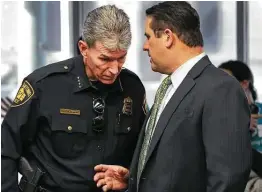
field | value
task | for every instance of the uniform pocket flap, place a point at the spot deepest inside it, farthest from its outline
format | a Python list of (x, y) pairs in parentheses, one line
[(70, 126)]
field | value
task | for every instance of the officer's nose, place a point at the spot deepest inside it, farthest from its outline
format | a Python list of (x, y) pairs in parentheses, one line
[(114, 68)]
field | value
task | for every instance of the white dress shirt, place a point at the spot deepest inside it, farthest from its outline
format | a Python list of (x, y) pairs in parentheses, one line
[(176, 78)]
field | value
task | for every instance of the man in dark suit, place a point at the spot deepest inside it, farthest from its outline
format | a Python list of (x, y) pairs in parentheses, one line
[(196, 137)]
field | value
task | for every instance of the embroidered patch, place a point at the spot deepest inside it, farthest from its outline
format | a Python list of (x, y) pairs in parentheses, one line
[(24, 93)]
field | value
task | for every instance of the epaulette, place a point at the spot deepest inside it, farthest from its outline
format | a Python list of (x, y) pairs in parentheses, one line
[(43, 72)]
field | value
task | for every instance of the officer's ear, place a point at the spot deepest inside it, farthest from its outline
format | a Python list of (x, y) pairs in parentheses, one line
[(83, 48)]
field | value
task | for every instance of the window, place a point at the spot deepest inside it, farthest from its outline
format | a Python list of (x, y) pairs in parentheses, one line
[(9, 48), (31, 37), (255, 42), (218, 26)]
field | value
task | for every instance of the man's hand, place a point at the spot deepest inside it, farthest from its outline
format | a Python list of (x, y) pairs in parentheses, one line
[(111, 177)]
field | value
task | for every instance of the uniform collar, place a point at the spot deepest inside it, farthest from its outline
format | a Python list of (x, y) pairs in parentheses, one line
[(82, 81)]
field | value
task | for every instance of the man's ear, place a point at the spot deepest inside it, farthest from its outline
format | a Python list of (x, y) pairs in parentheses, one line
[(169, 38), (83, 48)]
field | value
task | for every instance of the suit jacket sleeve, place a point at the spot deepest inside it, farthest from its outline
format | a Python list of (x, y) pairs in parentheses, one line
[(226, 138), (15, 132)]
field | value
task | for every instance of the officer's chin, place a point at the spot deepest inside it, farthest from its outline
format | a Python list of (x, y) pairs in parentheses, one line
[(107, 81)]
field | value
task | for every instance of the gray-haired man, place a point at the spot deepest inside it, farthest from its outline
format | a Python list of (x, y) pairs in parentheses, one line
[(69, 116)]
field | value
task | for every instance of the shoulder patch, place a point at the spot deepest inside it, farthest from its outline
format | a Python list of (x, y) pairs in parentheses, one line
[(24, 93)]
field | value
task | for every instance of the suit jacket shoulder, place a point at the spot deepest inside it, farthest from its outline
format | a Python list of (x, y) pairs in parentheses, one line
[(212, 76)]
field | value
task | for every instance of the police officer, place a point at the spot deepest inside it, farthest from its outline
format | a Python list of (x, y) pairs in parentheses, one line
[(69, 116)]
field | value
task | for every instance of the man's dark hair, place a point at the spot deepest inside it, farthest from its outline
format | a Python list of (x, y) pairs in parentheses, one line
[(180, 17), (241, 72)]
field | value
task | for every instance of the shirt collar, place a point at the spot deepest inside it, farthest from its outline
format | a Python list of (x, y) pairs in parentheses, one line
[(180, 73)]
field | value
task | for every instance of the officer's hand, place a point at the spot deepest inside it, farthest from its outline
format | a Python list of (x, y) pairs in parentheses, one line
[(111, 177)]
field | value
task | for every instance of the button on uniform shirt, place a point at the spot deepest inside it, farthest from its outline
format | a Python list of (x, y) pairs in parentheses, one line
[(177, 77), (50, 123)]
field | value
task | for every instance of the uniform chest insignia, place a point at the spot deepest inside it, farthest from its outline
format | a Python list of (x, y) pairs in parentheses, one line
[(24, 93), (127, 107), (69, 111)]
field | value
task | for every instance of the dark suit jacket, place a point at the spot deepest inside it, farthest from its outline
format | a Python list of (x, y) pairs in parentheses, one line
[(201, 141)]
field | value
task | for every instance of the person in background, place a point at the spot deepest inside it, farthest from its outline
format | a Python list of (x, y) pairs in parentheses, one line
[(71, 115), (244, 75)]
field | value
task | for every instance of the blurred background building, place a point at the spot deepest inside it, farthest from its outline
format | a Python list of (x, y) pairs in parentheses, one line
[(37, 33)]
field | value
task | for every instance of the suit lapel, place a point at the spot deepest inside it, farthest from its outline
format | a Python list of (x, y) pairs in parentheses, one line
[(187, 84)]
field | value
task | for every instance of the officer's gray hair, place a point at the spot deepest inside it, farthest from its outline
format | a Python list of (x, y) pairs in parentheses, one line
[(108, 25)]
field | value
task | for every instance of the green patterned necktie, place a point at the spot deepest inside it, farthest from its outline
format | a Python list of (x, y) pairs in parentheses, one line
[(160, 94)]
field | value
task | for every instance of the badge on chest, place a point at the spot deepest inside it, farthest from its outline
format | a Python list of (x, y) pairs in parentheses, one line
[(127, 106)]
